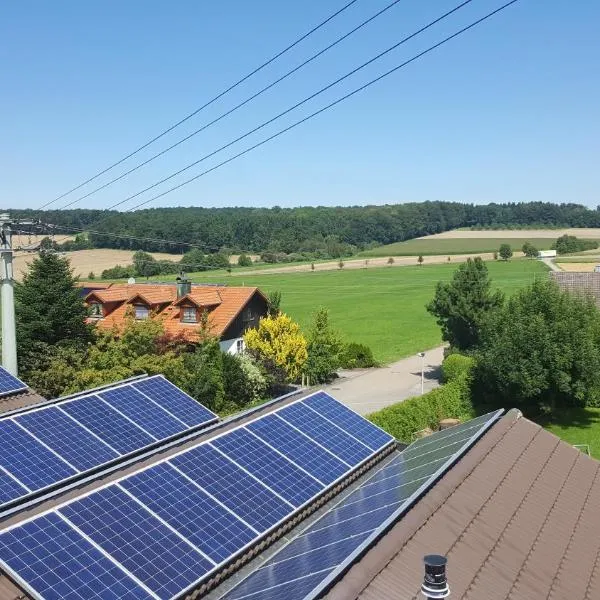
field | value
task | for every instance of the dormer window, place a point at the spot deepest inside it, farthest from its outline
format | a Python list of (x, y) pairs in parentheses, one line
[(95, 310), (189, 314), (141, 312)]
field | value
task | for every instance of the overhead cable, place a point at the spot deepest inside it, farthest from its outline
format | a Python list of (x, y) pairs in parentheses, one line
[(205, 105)]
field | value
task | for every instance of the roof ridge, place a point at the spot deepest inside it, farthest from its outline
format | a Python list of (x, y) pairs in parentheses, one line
[(517, 415), (542, 528), (573, 533), (517, 509)]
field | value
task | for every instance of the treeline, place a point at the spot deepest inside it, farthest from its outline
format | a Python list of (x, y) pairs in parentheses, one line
[(320, 230)]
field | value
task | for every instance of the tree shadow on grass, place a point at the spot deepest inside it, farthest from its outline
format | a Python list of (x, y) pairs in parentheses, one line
[(572, 417)]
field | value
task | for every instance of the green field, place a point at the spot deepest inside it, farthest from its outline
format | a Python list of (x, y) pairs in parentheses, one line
[(381, 307), (434, 246), (579, 426)]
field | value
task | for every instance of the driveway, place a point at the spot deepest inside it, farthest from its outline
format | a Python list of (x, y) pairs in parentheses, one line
[(368, 390)]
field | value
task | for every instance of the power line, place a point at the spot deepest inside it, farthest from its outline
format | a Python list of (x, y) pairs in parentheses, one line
[(235, 108), (295, 106), (206, 104), (331, 105)]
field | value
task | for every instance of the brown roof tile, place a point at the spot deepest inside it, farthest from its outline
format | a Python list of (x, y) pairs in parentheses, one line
[(514, 517), (19, 400), (582, 283), (225, 303)]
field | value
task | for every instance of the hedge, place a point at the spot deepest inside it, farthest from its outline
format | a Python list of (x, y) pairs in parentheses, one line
[(456, 367), (401, 420)]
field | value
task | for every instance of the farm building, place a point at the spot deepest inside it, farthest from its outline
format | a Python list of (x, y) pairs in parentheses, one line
[(546, 253), (293, 500), (181, 307), (579, 283)]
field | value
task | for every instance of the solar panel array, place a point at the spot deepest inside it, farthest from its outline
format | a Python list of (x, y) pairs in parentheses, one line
[(159, 532), (45, 446), (302, 568), (9, 384)]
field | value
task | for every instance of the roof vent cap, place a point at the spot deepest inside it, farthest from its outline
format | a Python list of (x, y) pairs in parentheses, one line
[(435, 584)]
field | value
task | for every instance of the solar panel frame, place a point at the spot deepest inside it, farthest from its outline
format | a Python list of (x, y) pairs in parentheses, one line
[(9, 384), (260, 534), (394, 510), (121, 455)]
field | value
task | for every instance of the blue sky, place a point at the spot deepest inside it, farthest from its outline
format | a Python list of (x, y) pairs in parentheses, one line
[(507, 112)]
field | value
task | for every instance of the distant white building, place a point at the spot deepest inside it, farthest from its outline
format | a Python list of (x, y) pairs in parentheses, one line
[(547, 254)]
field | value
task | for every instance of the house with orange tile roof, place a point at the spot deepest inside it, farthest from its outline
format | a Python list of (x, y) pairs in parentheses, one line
[(182, 308)]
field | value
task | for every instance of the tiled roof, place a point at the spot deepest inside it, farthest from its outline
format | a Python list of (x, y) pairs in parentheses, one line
[(224, 304), (19, 400), (517, 518), (579, 283)]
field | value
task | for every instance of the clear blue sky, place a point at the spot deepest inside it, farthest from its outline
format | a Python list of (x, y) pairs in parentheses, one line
[(507, 112)]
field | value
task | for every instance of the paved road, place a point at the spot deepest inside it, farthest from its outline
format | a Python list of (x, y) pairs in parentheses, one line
[(551, 264), (368, 390)]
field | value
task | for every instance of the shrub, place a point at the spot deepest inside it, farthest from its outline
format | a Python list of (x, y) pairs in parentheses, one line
[(244, 261), (357, 356), (456, 367), (402, 420)]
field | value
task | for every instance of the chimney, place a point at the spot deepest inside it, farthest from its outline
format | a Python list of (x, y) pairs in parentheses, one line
[(184, 285), (435, 584)]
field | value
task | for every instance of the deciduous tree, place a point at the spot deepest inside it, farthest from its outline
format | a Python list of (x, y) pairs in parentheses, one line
[(324, 347), (541, 351)]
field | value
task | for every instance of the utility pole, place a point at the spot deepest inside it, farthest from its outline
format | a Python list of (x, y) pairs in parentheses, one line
[(9, 332)]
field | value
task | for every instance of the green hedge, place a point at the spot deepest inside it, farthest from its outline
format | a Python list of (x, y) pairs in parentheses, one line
[(456, 367), (448, 401)]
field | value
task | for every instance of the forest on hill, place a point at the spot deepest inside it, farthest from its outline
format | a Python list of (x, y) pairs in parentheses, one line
[(330, 231)]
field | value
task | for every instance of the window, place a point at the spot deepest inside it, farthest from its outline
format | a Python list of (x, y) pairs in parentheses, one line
[(189, 314), (95, 310), (141, 311), (239, 346)]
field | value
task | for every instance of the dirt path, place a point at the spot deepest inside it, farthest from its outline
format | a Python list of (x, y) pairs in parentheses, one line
[(362, 263), (366, 391)]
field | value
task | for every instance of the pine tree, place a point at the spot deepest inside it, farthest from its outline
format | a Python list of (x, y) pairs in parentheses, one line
[(49, 310)]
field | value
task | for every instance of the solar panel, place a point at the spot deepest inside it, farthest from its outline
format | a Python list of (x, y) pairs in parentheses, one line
[(10, 488), (175, 523), (272, 468), (306, 565), (9, 384), (91, 430), (172, 399), (56, 562), (146, 547), (143, 411), (260, 507), (344, 446), (67, 438), (348, 420), (108, 424), (34, 465), (218, 532), (306, 453)]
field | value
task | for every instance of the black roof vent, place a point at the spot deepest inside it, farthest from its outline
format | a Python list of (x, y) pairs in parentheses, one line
[(435, 584)]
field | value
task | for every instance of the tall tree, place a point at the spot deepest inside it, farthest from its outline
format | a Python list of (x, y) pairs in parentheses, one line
[(461, 306), (541, 351), (49, 310)]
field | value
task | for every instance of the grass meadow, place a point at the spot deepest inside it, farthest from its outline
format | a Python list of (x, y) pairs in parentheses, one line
[(381, 307), (431, 246), (579, 426)]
